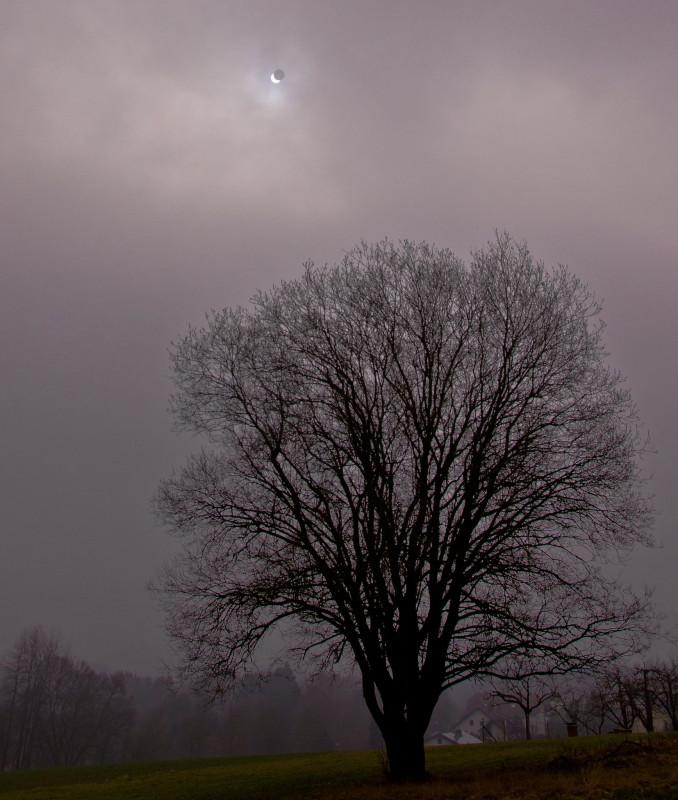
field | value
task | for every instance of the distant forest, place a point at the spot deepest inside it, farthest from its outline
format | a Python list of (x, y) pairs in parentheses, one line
[(58, 711)]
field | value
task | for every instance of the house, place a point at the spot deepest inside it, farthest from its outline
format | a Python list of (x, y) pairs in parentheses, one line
[(492, 723), (452, 737), (483, 724), (439, 738), (660, 722)]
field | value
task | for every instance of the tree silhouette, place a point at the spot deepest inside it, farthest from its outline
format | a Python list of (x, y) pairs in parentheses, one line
[(412, 462)]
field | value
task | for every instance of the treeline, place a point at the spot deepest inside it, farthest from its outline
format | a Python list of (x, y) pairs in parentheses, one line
[(55, 711), (274, 716), (58, 711), (630, 697)]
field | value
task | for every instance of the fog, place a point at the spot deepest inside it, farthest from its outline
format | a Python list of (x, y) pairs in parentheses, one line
[(151, 171)]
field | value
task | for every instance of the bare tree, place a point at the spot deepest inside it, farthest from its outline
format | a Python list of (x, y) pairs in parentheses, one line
[(642, 687), (24, 691), (85, 717), (610, 699), (113, 719), (572, 703), (57, 712), (417, 463), (527, 683), (666, 689)]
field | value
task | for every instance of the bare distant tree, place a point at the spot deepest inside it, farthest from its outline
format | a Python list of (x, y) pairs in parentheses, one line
[(617, 696), (610, 698), (24, 676), (640, 686), (86, 715), (666, 689), (57, 712), (527, 683), (418, 463), (572, 703), (113, 720)]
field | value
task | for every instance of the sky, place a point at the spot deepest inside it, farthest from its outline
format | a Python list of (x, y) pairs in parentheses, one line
[(150, 171)]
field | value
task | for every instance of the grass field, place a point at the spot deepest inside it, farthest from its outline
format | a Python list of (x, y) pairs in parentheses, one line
[(614, 768)]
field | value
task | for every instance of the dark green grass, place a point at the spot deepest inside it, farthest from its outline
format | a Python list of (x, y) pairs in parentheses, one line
[(328, 776), (257, 777)]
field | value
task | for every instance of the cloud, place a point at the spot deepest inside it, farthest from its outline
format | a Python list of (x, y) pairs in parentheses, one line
[(150, 171)]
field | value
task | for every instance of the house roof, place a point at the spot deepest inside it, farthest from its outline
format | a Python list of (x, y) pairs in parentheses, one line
[(452, 737)]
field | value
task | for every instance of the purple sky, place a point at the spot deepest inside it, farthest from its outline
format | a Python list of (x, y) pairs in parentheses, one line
[(150, 171)]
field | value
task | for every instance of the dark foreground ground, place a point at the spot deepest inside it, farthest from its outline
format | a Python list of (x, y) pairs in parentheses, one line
[(614, 768)]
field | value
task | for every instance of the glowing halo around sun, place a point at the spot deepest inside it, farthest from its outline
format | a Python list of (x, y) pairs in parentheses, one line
[(277, 76)]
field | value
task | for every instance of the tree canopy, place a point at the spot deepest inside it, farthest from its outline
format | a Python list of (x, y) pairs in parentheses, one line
[(420, 464)]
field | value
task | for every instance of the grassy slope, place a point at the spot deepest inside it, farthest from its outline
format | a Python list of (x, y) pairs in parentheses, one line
[(593, 767)]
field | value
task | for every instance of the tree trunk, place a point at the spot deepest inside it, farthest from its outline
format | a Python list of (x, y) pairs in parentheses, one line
[(405, 752)]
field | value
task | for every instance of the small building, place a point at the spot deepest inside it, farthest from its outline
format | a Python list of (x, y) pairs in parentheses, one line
[(660, 722), (457, 736), (496, 723)]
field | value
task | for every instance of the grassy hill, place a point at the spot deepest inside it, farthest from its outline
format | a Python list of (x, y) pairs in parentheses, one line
[(619, 768)]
